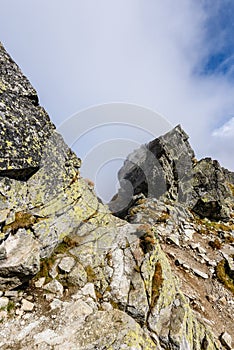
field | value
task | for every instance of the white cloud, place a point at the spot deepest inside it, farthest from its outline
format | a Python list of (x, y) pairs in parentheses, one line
[(226, 130)]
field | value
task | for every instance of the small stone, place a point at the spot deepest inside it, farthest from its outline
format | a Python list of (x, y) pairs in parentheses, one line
[(200, 273), (3, 314), (54, 287), (177, 302), (1, 293), (194, 245), (53, 273), (212, 271), (3, 302), (211, 298), (205, 258), (226, 340), (178, 262), (11, 294), (201, 250), (174, 239), (186, 267), (3, 214), (40, 282), (78, 276), (230, 262), (56, 304), (223, 300), (19, 312), (87, 290), (48, 296), (26, 316), (3, 253), (66, 264), (29, 297), (27, 305), (107, 306), (189, 233)]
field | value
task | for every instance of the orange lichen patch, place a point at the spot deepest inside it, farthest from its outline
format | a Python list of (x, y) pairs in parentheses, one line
[(89, 182), (231, 188), (164, 217), (22, 220), (216, 244), (157, 281), (147, 240)]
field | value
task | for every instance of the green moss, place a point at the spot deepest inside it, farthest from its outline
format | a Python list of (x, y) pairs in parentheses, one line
[(224, 274), (45, 267), (91, 276), (10, 306)]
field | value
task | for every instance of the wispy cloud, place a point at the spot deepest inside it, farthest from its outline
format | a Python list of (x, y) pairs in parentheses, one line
[(226, 130)]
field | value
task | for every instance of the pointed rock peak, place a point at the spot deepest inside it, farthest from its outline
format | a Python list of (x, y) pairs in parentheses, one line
[(166, 169)]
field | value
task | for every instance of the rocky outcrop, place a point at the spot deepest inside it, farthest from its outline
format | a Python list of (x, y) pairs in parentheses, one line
[(90, 280), (25, 126), (166, 169)]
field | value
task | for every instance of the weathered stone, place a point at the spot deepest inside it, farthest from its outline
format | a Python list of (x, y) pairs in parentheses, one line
[(3, 253), (27, 305), (11, 294), (40, 282), (3, 302), (189, 233), (56, 303), (200, 273), (78, 276), (226, 340), (53, 272), (211, 190), (174, 239), (22, 262), (66, 264), (54, 287)]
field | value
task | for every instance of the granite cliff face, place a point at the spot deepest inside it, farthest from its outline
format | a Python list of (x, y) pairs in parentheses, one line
[(74, 276)]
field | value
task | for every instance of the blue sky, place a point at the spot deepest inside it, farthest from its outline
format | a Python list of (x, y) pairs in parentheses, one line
[(172, 56)]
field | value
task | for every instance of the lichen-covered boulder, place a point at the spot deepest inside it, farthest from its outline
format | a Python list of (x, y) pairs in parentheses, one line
[(24, 126)]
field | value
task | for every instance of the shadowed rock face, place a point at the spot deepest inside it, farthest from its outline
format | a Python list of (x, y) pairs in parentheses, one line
[(90, 280), (166, 169), (24, 126)]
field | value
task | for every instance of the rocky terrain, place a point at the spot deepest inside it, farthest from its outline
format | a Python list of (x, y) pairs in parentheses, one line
[(154, 270)]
